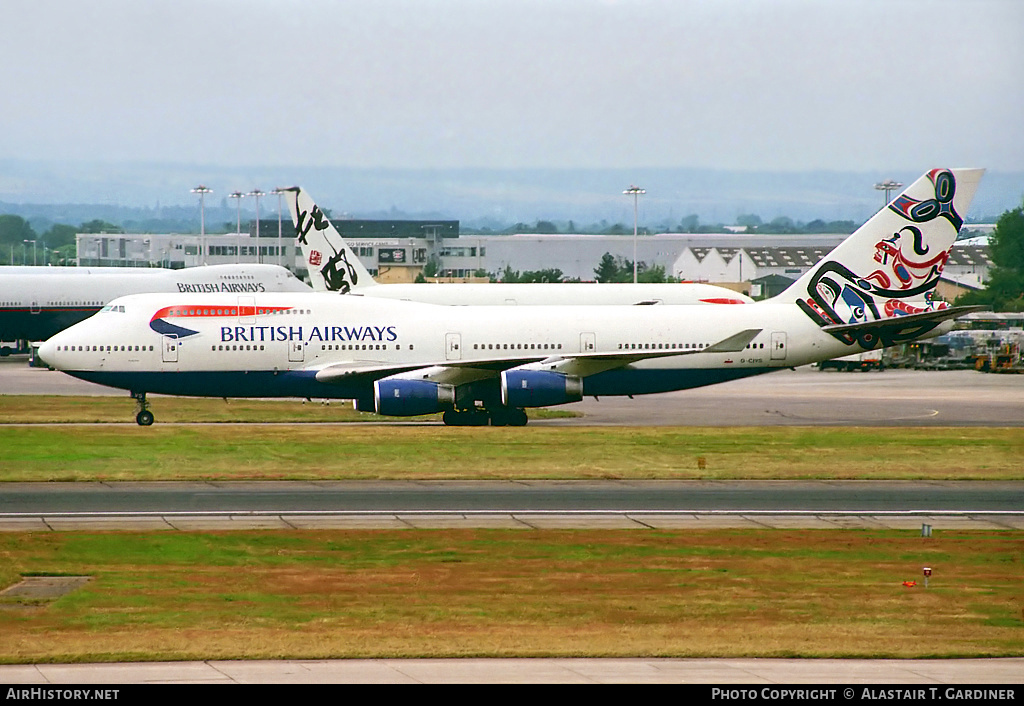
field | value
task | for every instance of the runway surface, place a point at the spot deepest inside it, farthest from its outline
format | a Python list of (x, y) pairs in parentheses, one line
[(538, 671), (513, 504)]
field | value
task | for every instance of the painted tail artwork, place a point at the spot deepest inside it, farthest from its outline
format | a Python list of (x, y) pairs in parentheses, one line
[(333, 266), (887, 270)]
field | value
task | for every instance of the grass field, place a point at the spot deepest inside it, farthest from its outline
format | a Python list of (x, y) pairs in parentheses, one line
[(456, 593), (445, 593), (272, 449), (305, 451)]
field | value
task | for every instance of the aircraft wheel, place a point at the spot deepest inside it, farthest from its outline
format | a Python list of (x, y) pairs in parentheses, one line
[(518, 418), (144, 418)]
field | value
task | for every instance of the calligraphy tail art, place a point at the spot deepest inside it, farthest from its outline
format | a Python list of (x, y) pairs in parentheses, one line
[(333, 267), (876, 288)]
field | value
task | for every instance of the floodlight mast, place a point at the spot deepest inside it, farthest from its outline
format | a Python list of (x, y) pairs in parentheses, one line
[(888, 186), (238, 196), (202, 191), (635, 191), (257, 193), (280, 192)]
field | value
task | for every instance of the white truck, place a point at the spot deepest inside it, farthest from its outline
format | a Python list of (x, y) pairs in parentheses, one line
[(868, 360)]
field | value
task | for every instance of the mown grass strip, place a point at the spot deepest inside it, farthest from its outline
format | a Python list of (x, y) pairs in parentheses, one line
[(60, 409), (297, 452), (510, 593)]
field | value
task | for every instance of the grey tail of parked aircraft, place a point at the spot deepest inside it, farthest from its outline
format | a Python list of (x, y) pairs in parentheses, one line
[(333, 266)]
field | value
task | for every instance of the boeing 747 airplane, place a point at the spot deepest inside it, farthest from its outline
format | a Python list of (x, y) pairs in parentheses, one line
[(37, 302), (334, 267), (487, 364)]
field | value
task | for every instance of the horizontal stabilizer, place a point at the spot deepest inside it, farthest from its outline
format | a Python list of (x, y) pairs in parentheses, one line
[(909, 321), (896, 329)]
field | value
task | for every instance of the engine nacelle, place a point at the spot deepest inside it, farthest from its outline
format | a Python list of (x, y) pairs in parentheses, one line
[(364, 404), (396, 397), (539, 388)]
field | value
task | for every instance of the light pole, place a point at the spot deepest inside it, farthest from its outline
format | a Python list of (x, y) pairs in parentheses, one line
[(25, 250), (635, 191), (257, 193), (887, 186), (238, 196), (280, 192), (202, 191)]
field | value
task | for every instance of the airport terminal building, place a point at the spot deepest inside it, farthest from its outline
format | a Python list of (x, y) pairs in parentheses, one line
[(398, 251)]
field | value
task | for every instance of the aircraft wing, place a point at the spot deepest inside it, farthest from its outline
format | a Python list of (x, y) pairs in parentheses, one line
[(452, 372), (458, 372)]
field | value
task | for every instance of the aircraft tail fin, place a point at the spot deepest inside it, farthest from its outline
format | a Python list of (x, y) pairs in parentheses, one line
[(333, 265), (889, 267)]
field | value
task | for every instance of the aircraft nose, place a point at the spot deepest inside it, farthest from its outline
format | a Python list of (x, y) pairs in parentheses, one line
[(47, 351)]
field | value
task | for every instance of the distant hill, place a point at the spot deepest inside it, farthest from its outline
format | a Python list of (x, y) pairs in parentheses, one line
[(156, 197)]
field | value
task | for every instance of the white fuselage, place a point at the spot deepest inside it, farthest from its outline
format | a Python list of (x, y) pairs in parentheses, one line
[(548, 294), (37, 302), (276, 344)]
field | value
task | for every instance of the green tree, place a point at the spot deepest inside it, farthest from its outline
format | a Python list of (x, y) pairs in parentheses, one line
[(98, 226), (549, 275), (59, 235), (619, 269), (14, 230), (64, 256), (607, 270), (430, 268), (1005, 288), (655, 274), (690, 224), (510, 276), (1007, 244)]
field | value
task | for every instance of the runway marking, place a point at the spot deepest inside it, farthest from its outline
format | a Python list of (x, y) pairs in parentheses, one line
[(928, 414), (497, 511)]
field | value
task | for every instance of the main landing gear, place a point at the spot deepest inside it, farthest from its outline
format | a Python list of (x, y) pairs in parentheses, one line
[(477, 417), (143, 416)]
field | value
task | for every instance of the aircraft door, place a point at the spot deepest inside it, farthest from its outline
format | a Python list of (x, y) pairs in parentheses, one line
[(453, 346), (170, 349), (296, 352), (778, 345), (247, 310), (588, 342), (35, 308)]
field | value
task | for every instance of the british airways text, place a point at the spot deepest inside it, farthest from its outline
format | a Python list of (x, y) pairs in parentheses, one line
[(232, 287), (324, 334)]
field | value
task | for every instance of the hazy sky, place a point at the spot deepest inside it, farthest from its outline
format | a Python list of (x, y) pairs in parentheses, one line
[(731, 84)]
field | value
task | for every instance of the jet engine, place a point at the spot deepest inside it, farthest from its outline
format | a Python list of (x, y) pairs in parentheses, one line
[(539, 388), (406, 398)]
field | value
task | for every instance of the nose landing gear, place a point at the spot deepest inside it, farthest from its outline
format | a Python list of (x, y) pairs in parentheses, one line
[(143, 416)]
